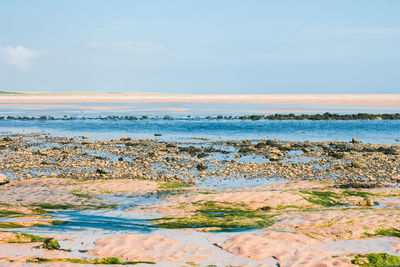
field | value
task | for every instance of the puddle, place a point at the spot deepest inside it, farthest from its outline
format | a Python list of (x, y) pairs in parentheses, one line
[(104, 222)]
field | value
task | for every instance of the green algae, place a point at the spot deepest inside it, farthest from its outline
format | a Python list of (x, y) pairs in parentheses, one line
[(376, 260), (224, 216), (25, 238), (330, 199), (57, 222), (391, 232), (322, 198), (10, 225), (14, 213), (109, 260), (172, 185), (51, 244)]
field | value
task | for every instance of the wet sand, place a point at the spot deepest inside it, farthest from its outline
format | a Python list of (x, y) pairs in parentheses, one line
[(305, 233), (292, 222)]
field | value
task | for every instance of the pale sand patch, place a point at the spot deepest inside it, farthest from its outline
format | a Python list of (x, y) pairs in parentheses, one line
[(313, 99), (339, 224), (152, 248), (20, 252), (290, 249), (60, 191), (396, 245)]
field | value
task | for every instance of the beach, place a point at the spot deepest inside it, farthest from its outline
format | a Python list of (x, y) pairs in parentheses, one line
[(196, 202), (312, 99)]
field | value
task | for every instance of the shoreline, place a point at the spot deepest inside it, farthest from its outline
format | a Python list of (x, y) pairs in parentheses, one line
[(314, 99)]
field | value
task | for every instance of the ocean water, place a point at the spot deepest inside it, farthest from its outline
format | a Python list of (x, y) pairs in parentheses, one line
[(184, 127), (368, 131)]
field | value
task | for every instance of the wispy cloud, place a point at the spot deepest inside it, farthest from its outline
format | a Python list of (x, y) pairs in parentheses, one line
[(18, 56), (360, 32), (138, 47)]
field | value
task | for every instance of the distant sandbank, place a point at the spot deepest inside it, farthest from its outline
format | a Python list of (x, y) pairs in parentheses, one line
[(313, 99)]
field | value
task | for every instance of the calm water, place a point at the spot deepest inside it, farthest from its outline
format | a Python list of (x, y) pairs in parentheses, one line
[(184, 127), (376, 131)]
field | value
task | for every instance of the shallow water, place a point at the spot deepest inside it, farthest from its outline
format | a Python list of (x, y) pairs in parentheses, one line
[(368, 131), (102, 222)]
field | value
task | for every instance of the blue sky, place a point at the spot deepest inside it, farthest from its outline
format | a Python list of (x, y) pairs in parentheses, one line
[(204, 46)]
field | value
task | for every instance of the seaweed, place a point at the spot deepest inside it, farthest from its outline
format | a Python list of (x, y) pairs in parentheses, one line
[(391, 232), (172, 185), (51, 244), (220, 216), (322, 198), (376, 259)]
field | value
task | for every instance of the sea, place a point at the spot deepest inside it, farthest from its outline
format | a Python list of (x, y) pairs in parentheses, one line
[(189, 122)]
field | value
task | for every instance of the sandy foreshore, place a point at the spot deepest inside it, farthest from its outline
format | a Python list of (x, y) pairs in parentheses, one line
[(161, 203), (304, 232), (311, 99)]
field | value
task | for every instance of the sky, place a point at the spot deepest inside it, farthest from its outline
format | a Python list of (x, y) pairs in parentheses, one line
[(207, 46)]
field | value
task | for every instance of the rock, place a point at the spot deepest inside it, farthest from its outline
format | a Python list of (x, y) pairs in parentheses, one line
[(85, 137), (358, 165), (125, 139), (273, 157), (275, 151), (355, 141), (201, 167), (3, 179), (101, 171)]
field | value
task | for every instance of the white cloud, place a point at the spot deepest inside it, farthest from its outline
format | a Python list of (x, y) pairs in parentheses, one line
[(19, 56), (138, 47)]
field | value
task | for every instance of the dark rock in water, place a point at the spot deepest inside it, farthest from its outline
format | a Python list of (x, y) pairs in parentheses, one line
[(170, 145), (246, 150), (157, 134), (202, 155), (336, 155), (190, 149), (201, 167), (355, 141), (260, 145), (101, 171)]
